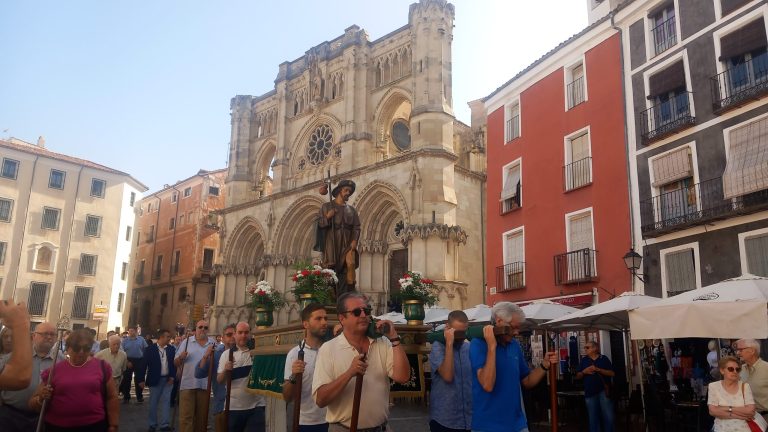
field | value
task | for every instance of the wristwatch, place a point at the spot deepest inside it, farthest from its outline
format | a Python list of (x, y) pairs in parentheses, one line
[(541, 365), (292, 379), (730, 411)]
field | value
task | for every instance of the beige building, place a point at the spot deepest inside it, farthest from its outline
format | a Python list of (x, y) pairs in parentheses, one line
[(65, 235), (381, 114)]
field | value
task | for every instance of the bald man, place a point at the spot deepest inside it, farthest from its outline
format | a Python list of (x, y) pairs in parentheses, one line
[(246, 409), (13, 407), (116, 358), (193, 392)]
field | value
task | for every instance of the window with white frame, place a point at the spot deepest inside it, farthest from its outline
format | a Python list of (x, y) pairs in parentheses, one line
[(38, 298), (50, 218), (745, 62), (511, 188), (6, 207), (512, 128), (756, 254), (578, 168), (10, 169), (92, 226), (679, 271), (579, 263), (56, 179), (514, 261), (673, 177), (124, 271), (3, 249), (187, 192), (576, 88), (88, 264), (81, 302), (745, 172), (132, 200), (663, 27), (98, 188)]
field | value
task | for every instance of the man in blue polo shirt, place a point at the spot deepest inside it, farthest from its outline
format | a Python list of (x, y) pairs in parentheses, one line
[(134, 347), (500, 369), (450, 400)]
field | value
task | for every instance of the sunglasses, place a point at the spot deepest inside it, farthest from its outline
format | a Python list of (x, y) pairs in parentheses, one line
[(202, 327), (359, 311), (733, 369), (80, 348)]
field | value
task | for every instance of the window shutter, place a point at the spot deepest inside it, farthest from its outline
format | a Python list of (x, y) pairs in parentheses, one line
[(746, 39), (672, 167), (757, 255), (666, 80), (515, 248), (746, 170), (510, 183), (681, 271), (580, 148), (580, 232)]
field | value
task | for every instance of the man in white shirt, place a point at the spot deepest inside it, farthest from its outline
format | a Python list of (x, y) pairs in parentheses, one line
[(246, 410), (315, 322), (115, 357), (193, 392)]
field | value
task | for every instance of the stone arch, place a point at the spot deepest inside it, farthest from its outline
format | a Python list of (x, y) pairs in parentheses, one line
[(380, 205), (246, 246), (261, 166), (394, 105), (299, 144), (295, 234)]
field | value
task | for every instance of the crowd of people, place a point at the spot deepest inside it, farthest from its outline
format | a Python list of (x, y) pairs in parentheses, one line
[(476, 385)]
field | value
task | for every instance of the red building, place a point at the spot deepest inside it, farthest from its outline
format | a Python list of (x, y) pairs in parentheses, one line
[(558, 219)]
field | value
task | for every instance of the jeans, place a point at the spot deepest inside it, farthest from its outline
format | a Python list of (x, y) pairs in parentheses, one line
[(251, 420), (600, 410), (159, 400)]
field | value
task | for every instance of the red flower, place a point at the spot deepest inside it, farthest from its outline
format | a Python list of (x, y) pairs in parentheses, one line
[(427, 281), (262, 293), (406, 276), (295, 278), (305, 272), (316, 272)]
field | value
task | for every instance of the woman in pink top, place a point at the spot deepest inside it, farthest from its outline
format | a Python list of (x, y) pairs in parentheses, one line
[(82, 396)]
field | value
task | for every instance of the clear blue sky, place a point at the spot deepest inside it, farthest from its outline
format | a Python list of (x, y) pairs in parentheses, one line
[(144, 86)]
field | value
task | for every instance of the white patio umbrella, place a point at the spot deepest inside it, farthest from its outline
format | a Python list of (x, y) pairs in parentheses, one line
[(541, 311), (608, 315), (435, 314), (733, 308), (395, 317), (479, 313)]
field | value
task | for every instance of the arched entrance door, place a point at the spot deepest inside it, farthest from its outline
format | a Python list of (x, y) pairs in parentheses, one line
[(398, 265)]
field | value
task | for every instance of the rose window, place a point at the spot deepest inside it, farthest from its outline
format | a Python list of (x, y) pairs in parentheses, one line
[(320, 144)]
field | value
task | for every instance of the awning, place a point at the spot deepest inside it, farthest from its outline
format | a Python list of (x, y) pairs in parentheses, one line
[(510, 183), (747, 168), (672, 167)]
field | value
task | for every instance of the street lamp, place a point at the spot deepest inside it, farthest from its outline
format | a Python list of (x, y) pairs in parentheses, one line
[(633, 261)]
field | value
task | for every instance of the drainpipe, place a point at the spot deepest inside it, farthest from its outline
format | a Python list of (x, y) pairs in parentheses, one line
[(173, 240), (24, 230), (482, 238)]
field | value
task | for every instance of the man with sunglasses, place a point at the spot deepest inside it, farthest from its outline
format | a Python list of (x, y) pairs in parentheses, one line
[(133, 346), (755, 372), (14, 408), (193, 391), (353, 353), (201, 372)]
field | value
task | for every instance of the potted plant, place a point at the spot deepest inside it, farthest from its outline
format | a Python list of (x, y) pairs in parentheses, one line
[(313, 284), (264, 300), (416, 291)]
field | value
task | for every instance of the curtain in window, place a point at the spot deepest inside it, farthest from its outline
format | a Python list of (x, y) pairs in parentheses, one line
[(581, 232), (515, 248), (510, 183), (681, 271), (672, 167), (757, 255), (747, 168)]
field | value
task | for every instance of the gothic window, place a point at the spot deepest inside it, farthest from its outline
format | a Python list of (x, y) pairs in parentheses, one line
[(401, 135), (337, 151), (302, 164), (320, 143)]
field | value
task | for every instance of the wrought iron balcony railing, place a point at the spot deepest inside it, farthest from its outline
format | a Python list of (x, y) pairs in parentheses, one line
[(740, 84), (664, 36), (575, 91), (578, 174), (694, 205), (513, 129), (667, 118), (510, 276), (576, 267)]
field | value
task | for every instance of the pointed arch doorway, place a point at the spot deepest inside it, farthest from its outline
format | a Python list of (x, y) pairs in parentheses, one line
[(398, 265)]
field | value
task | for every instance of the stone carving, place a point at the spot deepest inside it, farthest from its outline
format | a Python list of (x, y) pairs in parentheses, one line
[(423, 231), (373, 246)]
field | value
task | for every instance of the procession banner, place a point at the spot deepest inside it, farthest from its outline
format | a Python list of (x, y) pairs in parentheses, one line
[(266, 376)]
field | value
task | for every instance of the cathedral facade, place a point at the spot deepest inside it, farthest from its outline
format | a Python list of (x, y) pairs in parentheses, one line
[(379, 113)]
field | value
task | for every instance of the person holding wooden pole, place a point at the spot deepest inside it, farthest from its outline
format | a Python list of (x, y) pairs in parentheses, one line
[(192, 391), (245, 410), (299, 372), (206, 369), (342, 359)]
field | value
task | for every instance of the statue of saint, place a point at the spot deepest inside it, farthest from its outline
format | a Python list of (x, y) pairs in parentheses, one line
[(338, 234)]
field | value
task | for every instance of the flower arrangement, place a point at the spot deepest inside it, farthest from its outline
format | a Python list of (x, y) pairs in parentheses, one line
[(314, 280), (413, 286), (263, 296)]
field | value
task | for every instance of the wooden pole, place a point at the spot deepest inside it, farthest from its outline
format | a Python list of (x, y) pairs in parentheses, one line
[(297, 394), (552, 386), (229, 389), (179, 374), (356, 401), (210, 379), (48, 382)]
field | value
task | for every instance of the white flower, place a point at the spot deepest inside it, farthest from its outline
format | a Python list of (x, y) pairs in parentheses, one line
[(317, 267)]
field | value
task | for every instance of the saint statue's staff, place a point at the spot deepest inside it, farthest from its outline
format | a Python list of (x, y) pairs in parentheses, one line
[(50, 377)]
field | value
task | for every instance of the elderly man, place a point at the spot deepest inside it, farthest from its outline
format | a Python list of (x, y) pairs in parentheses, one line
[(350, 354), (14, 410), (202, 368), (597, 370), (450, 401), (500, 369), (755, 372), (246, 410), (115, 357), (133, 346), (193, 392)]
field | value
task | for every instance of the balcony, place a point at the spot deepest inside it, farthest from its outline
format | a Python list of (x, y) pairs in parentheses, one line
[(576, 267), (667, 118), (575, 91), (513, 129), (150, 238), (740, 84), (664, 36), (510, 277), (695, 205), (578, 174), (139, 278)]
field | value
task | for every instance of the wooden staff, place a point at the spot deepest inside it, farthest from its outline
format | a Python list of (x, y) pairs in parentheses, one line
[(356, 400), (229, 389), (210, 378), (552, 387), (297, 391), (48, 382)]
